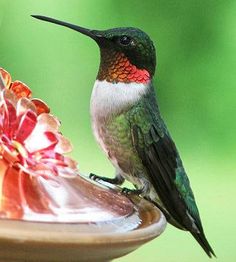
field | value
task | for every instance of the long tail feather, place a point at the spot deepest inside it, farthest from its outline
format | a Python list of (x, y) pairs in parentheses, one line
[(201, 239)]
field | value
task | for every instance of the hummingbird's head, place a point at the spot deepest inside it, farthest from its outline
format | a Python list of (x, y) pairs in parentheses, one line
[(127, 53)]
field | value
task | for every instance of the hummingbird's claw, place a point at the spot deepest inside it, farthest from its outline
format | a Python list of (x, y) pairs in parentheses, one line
[(113, 181), (128, 191), (94, 177)]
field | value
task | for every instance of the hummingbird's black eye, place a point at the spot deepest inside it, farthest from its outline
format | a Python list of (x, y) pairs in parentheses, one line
[(125, 40)]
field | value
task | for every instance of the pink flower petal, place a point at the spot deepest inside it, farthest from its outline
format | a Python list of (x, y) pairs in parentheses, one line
[(5, 78), (20, 89), (64, 145), (8, 155), (47, 122), (38, 141), (12, 201), (41, 106), (10, 122), (66, 172), (27, 124), (70, 162), (7, 95), (42, 170), (23, 105), (33, 196), (2, 83), (1, 117), (52, 162)]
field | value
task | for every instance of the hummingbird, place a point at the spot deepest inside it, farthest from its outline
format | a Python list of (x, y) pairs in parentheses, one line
[(127, 124)]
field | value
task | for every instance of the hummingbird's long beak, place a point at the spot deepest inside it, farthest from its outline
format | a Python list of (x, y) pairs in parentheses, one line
[(82, 30)]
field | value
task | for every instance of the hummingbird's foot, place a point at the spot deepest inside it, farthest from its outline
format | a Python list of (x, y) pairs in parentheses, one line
[(118, 180), (128, 191), (138, 191)]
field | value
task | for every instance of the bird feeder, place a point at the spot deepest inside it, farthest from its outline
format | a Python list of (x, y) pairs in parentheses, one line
[(48, 210)]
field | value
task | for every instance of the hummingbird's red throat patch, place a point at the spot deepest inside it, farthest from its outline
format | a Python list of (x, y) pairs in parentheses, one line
[(119, 69)]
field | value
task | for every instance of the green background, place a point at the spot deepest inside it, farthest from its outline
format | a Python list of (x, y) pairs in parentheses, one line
[(195, 82)]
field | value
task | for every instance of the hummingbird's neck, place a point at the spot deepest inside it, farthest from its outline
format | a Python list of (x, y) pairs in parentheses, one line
[(115, 67)]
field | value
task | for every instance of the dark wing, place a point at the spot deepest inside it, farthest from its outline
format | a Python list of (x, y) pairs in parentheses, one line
[(160, 157)]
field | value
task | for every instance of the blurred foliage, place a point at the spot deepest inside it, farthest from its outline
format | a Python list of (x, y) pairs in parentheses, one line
[(195, 82)]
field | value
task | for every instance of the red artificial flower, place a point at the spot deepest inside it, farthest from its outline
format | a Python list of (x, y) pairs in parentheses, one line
[(31, 150)]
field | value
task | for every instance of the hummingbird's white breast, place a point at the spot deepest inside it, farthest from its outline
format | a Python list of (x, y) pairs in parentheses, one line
[(109, 99)]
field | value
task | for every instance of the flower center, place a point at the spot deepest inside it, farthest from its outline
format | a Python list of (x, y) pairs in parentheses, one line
[(20, 149)]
